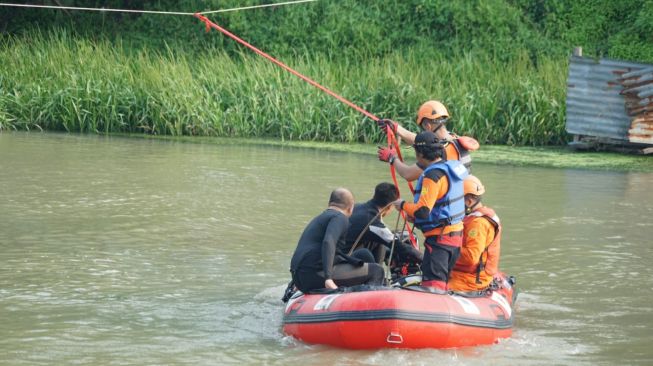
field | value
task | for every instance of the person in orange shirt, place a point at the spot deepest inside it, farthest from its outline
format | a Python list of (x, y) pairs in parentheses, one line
[(437, 208), (479, 255), (432, 116)]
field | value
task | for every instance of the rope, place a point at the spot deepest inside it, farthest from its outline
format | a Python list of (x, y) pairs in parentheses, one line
[(392, 140), (388, 272), (210, 24), (152, 11), (257, 6)]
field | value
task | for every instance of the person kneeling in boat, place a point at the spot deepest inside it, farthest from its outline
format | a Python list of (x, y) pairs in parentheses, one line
[(432, 116), (437, 208), (479, 255), (317, 264)]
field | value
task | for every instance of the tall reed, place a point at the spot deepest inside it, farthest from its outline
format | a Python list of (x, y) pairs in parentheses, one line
[(58, 82)]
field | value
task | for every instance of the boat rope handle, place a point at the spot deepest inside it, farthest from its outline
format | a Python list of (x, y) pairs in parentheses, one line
[(391, 138), (153, 11), (395, 337)]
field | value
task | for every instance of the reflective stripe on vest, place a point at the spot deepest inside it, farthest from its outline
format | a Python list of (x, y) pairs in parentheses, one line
[(491, 251), (450, 209)]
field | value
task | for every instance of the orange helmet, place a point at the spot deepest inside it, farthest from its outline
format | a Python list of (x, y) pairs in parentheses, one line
[(431, 110), (472, 185)]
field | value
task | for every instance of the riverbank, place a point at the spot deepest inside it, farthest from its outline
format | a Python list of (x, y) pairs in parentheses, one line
[(551, 157)]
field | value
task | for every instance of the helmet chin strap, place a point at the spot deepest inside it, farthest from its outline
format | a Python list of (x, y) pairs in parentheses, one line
[(440, 125), (471, 208)]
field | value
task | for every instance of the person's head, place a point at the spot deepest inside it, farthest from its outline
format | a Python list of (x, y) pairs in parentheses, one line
[(432, 116), (473, 190), (427, 147), (342, 199), (384, 193)]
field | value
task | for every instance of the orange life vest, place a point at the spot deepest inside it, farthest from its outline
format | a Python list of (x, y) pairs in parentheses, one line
[(459, 148), (489, 260)]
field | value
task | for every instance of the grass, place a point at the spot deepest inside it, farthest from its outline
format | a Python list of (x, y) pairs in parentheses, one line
[(62, 83)]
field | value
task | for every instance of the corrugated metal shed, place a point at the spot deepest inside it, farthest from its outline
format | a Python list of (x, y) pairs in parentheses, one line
[(597, 93)]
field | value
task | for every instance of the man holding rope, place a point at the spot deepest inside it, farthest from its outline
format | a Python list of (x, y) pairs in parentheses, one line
[(432, 116), (438, 209)]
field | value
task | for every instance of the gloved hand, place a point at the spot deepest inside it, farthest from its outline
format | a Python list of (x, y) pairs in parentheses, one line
[(383, 123), (387, 154)]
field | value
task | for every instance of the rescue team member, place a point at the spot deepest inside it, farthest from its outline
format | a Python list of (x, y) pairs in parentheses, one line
[(366, 224), (438, 208), (315, 263), (479, 255), (432, 116)]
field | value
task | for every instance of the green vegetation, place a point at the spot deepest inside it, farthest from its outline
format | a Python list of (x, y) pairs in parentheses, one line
[(499, 65), (361, 29), (62, 83)]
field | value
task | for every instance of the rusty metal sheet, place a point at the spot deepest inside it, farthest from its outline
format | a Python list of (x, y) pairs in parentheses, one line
[(638, 73), (610, 99)]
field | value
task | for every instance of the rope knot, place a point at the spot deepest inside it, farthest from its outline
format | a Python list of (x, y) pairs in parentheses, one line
[(205, 20)]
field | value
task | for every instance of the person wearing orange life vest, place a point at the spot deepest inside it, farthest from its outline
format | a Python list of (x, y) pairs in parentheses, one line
[(432, 116), (479, 254), (437, 208)]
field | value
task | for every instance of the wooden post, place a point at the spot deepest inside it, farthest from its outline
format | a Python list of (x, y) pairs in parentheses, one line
[(578, 51)]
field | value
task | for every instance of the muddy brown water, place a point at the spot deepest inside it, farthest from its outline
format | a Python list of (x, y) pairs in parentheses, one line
[(118, 251)]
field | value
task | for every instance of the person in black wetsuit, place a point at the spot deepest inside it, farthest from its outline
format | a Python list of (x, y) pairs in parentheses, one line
[(318, 264), (366, 222)]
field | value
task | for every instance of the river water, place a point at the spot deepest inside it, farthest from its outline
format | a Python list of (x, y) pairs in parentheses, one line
[(118, 251)]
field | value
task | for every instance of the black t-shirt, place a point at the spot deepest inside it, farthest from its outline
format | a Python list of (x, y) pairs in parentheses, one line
[(376, 233), (316, 249)]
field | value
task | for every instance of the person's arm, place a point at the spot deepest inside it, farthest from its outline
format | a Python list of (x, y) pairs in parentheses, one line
[(408, 172), (406, 135), (478, 235), (336, 227), (433, 186)]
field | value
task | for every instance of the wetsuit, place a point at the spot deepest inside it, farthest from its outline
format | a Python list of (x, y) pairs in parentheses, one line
[(316, 259), (377, 237)]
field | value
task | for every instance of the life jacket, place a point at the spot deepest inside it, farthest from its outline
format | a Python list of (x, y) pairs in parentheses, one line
[(463, 145), (489, 260), (450, 209)]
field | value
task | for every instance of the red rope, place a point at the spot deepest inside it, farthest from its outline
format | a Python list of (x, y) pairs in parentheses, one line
[(392, 140)]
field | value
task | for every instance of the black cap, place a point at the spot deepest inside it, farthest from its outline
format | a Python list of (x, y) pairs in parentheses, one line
[(426, 139), (428, 145)]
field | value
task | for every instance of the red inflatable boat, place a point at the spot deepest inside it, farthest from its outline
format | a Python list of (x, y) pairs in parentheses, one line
[(408, 317)]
